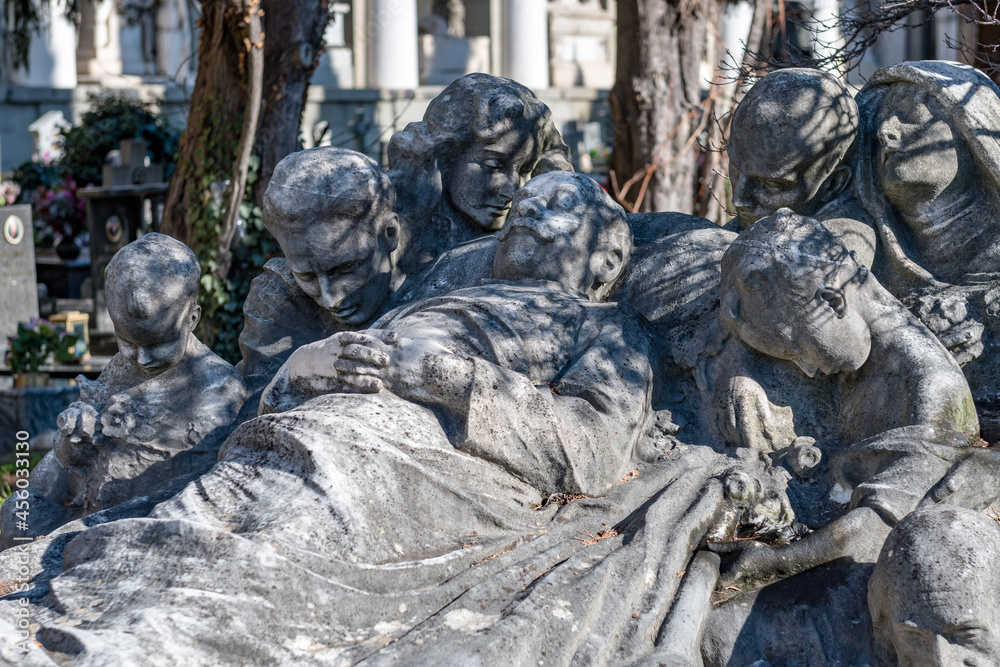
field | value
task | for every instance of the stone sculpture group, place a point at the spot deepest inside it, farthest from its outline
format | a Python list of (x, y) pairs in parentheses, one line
[(485, 416)]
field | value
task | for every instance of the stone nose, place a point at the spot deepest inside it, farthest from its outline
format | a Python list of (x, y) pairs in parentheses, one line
[(889, 132)]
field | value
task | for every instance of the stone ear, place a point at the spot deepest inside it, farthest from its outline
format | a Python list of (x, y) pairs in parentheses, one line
[(611, 264), (834, 297), (838, 181), (390, 231), (194, 316)]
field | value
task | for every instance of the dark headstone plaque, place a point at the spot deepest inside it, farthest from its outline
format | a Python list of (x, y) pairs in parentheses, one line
[(117, 216), (18, 289)]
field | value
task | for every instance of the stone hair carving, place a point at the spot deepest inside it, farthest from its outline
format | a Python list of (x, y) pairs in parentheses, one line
[(928, 171), (588, 437), (456, 171), (928, 174), (331, 211)]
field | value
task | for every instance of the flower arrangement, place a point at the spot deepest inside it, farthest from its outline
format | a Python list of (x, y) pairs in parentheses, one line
[(9, 192), (61, 209), (34, 342)]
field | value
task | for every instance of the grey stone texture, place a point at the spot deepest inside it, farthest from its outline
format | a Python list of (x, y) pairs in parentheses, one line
[(933, 592), (587, 438), (457, 170), (927, 175), (160, 410)]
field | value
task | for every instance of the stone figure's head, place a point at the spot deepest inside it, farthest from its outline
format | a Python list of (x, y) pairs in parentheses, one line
[(565, 228), (479, 140), (928, 127), (152, 292), (790, 139), (331, 211), (792, 290), (933, 594)]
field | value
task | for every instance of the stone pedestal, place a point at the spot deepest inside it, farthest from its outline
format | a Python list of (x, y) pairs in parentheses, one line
[(526, 42), (392, 44)]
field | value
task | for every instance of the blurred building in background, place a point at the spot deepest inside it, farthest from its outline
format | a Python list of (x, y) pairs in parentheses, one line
[(371, 82)]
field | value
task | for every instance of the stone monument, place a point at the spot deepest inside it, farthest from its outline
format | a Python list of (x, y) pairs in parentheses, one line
[(553, 433)]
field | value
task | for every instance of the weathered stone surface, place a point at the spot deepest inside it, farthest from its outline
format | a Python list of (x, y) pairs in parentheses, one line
[(586, 438), (160, 409), (933, 592), (927, 174)]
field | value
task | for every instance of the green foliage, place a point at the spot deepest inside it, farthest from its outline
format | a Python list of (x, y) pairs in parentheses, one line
[(209, 170), (34, 342), (8, 473), (113, 117), (222, 301)]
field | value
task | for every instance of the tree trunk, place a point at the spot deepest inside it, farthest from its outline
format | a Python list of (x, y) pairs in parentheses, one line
[(293, 42), (655, 102), (216, 148)]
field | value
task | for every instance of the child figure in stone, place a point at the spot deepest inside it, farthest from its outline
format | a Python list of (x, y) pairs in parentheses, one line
[(933, 593), (901, 419), (164, 403)]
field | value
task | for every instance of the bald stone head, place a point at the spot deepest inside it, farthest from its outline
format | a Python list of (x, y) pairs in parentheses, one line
[(331, 211), (792, 290), (790, 139), (933, 594), (564, 228), (152, 290)]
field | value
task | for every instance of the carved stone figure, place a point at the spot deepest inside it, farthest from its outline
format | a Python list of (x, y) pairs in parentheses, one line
[(563, 247), (792, 290), (933, 593), (331, 211), (790, 146), (928, 175), (456, 171), (159, 411)]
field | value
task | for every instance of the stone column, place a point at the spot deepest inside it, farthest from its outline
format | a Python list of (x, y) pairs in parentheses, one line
[(52, 58), (391, 35), (736, 20), (827, 38), (526, 42)]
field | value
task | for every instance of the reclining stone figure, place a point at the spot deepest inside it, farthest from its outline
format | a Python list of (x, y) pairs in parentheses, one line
[(159, 411), (479, 355), (408, 463)]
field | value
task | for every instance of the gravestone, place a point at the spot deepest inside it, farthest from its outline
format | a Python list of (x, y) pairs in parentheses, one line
[(18, 288), (128, 205)]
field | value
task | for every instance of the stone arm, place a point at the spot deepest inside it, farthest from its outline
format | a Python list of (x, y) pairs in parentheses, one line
[(277, 318), (857, 535), (573, 435)]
